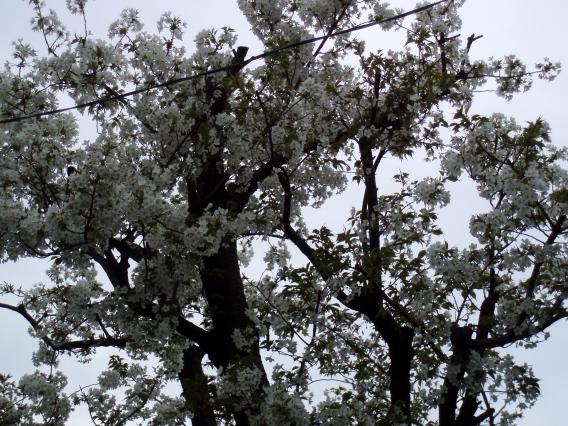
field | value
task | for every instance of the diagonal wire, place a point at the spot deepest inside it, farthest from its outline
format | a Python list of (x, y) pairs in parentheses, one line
[(230, 67)]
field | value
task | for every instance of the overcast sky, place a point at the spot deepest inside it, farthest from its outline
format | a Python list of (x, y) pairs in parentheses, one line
[(530, 29)]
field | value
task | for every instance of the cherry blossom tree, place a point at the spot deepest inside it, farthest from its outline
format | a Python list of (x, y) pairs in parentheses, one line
[(149, 225)]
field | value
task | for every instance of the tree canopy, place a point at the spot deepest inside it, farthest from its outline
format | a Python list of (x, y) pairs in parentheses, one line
[(207, 160)]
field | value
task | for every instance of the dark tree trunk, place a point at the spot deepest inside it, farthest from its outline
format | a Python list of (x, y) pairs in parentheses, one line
[(224, 291), (401, 354), (460, 338), (399, 340), (195, 388)]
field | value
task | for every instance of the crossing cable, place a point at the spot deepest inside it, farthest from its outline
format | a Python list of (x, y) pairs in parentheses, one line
[(239, 64)]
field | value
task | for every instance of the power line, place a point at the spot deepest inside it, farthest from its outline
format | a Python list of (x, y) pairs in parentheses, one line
[(232, 66)]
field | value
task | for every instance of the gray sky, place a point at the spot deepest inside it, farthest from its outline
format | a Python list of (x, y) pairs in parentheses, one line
[(529, 29)]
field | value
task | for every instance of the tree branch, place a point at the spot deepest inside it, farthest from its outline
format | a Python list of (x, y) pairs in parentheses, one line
[(512, 337), (109, 341)]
